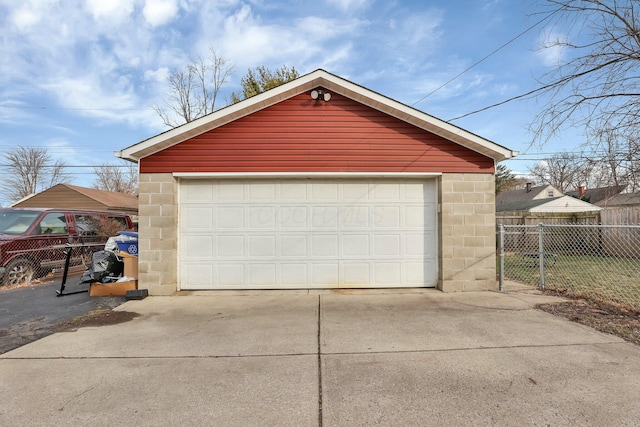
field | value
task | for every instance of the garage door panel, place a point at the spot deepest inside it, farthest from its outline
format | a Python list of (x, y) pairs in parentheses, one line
[(293, 246), (262, 217), (311, 233), (231, 246), (197, 217), (386, 245), (325, 245), (294, 274), (386, 216), (356, 273), (230, 218), (325, 274), (198, 246), (356, 245), (354, 217), (293, 217)]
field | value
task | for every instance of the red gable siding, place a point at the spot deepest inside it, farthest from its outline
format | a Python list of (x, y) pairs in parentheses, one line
[(303, 135)]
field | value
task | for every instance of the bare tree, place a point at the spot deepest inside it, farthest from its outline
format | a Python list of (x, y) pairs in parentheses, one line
[(565, 171), (619, 158), (117, 177), (597, 85), (29, 170), (193, 90)]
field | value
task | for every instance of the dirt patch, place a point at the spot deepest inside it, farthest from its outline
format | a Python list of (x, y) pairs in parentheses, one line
[(607, 318), (100, 317)]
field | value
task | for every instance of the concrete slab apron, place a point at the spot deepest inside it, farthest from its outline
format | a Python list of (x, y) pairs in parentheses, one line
[(389, 359), (487, 359), (186, 361)]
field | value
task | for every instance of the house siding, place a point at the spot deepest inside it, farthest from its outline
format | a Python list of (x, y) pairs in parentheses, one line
[(303, 135)]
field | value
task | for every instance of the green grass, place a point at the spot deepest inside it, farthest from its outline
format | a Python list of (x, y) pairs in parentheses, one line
[(615, 280)]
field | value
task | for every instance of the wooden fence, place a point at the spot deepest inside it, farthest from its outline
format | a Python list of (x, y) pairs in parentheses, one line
[(620, 215), (610, 239)]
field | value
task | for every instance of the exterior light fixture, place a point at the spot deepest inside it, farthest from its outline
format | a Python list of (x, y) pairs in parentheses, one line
[(319, 95)]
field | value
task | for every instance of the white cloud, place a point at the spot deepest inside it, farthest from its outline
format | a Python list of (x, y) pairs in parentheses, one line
[(25, 18), (550, 50), (114, 11), (350, 5), (310, 40), (160, 12)]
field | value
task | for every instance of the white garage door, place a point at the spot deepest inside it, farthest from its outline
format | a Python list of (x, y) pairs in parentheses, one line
[(276, 234)]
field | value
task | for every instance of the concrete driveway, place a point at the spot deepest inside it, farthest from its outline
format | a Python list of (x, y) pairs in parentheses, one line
[(331, 359)]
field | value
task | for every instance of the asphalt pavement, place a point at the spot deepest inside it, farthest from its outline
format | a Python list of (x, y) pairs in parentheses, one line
[(32, 312)]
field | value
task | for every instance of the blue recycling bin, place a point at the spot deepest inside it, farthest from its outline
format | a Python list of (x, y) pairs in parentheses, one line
[(127, 241)]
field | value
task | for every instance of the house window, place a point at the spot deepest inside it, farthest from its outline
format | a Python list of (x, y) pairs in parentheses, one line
[(550, 194)]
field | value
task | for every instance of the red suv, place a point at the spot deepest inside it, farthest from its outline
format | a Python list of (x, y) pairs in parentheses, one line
[(32, 240)]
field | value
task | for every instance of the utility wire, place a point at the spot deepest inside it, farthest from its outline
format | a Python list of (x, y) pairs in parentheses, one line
[(481, 61)]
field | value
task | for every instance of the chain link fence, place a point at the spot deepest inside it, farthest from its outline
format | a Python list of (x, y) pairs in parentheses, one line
[(34, 258), (598, 262)]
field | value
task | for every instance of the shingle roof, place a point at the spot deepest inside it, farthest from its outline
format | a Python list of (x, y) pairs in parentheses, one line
[(595, 195), (626, 199), (108, 198), (522, 194), (522, 205)]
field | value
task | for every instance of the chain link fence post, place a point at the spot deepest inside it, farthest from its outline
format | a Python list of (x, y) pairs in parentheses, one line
[(501, 257), (541, 253)]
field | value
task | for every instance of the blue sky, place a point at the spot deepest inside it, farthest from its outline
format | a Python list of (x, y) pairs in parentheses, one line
[(79, 77)]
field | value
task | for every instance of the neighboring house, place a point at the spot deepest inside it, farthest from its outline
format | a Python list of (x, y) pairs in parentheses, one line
[(526, 194), (597, 196), (73, 197), (621, 200), (544, 204), (621, 209), (318, 183)]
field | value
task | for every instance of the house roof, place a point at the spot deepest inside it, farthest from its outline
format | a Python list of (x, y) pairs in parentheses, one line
[(554, 204), (110, 200), (595, 195), (524, 195), (308, 82), (626, 199)]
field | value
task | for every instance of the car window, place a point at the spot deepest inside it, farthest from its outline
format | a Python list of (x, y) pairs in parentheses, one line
[(122, 220), (52, 223), (16, 222), (87, 225)]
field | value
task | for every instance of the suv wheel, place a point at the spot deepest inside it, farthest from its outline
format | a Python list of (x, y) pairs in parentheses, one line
[(19, 271)]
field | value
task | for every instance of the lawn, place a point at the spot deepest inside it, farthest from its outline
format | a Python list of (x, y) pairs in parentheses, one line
[(609, 279)]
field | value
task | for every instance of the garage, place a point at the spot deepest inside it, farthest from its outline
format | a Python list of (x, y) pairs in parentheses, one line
[(307, 233), (292, 190)]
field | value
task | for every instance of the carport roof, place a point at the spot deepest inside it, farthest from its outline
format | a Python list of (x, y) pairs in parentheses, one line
[(308, 82)]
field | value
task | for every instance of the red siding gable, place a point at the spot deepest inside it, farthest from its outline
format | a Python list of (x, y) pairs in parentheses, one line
[(303, 135)]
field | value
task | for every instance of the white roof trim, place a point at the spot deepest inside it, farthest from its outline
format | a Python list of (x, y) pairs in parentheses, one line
[(284, 175), (306, 83)]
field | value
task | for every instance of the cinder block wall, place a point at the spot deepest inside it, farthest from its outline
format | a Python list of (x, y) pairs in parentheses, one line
[(158, 233), (467, 232)]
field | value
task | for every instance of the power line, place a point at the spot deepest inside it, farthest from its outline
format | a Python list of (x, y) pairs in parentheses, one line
[(483, 59)]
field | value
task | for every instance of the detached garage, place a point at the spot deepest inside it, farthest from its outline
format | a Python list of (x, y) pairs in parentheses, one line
[(318, 183)]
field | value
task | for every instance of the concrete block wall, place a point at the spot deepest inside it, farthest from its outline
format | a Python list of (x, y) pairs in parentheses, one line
[(467, 240), (158, 233)]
